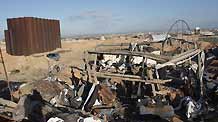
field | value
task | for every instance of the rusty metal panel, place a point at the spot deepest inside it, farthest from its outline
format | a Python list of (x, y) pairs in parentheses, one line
[(48, 38), (7, 41), (40, 41), (20, 35), (33, 23), (55, 32), (59, 34), (49, 35), (30, 35), (44, 35), (11, 42), (12, 24), (29, 32), (24, 35), (57, 27), (34, 32), (10, 27), (52, 35), (35, 45), (37, 36), (16, 35), (52, 41)]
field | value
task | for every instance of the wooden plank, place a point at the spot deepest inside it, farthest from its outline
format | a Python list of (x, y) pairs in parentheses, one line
[(102, 107), (141, 54), (162, 92), (183, 40), (111, 45), (181, 59), (185, 53), (6, 117), (8, 103), (130, 78)]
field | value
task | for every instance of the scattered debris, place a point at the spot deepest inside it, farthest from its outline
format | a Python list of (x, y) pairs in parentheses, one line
[(54, 56), (15, 71), (175, 81)]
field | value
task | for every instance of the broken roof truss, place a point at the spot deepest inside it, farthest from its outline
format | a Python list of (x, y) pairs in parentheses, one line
[(162, 60)]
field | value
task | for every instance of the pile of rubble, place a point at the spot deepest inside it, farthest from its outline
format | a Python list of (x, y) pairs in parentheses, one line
[(137, 83)]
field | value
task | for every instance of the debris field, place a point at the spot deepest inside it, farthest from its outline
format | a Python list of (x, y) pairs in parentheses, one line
[(166, 78)]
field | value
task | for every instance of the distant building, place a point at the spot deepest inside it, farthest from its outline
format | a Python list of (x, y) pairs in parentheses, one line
[(207, 33), (102, 38), (197, 30)]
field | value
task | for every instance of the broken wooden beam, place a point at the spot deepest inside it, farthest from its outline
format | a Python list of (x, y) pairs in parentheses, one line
[(8, 103), (131, 78), (102, 107), (140, 54), (179, 59)]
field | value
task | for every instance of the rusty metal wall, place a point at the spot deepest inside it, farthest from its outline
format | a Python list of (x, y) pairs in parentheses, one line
[(11, 38), (29, 35), (29, 26), (7, 41), (58, 33)]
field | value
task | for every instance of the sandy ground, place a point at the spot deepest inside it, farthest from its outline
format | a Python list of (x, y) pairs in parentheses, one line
[(35, 67)]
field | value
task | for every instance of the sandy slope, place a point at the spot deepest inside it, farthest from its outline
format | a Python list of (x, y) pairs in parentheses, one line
[(35, 67)]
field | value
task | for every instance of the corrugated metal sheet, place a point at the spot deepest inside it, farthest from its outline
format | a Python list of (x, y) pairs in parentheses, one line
[(58, 33), (7, 41), (159, 37), (30, 35)]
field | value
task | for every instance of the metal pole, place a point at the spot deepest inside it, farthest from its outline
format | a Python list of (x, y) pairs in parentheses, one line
[(6, 75)]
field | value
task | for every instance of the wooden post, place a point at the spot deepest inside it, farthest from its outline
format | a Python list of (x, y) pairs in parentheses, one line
[(94, 69), (87, 67), (143, 77), (157, 75), (150, 77), (6, 75), (143, 67)]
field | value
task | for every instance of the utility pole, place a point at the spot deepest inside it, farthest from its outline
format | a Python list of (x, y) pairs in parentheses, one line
[(6, 75)]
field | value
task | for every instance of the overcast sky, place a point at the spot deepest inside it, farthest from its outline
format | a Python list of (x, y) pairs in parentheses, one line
[(113, 16)]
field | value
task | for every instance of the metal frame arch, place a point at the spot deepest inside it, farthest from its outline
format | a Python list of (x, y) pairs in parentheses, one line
[(170, 29)]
